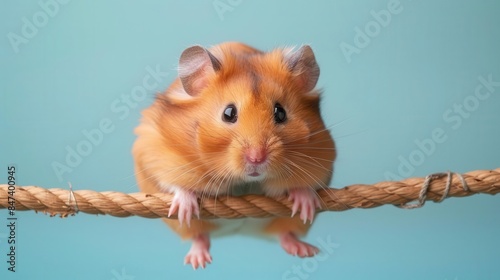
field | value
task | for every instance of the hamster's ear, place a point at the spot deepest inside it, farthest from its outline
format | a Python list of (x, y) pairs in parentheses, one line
[(303, 66), (195, 65)]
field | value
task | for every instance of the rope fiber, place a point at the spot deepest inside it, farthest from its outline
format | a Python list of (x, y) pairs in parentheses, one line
[(435, 187)]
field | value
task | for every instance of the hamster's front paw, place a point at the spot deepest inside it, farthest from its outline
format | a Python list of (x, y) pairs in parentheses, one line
[(185, 203), (306, 200)]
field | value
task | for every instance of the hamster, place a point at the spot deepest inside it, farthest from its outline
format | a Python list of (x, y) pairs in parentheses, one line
[(236, 120)]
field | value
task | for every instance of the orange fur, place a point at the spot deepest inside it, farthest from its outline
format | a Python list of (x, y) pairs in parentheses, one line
[(183, 141)]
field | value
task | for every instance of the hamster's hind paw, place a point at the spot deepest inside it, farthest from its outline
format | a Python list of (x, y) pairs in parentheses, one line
[(295, 247), (198, 255), (185, 203), (306, 200)]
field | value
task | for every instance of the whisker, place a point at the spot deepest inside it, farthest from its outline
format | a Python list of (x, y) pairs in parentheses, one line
[(172, 170), (310, 135), (351, 134), (314, 178), (296, 175), (313, 161), (320, 184)]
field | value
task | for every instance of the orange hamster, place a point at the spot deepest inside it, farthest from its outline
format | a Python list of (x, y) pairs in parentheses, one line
[(237, 120)]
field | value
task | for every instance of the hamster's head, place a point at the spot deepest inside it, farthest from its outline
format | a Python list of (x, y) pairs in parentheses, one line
[(257, 116)]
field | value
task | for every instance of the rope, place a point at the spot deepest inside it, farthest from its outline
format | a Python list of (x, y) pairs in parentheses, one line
[(435, 187)]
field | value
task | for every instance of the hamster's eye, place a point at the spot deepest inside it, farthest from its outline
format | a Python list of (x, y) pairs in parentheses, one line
[(279, 113), (230, 114)]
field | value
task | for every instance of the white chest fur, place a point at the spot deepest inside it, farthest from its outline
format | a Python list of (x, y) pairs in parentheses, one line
[(245, 226)]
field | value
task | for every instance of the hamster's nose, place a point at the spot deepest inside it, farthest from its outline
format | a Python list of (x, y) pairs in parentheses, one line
[(256, 155)]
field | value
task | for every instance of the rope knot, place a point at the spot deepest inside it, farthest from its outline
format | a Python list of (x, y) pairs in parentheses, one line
[(422, 197)]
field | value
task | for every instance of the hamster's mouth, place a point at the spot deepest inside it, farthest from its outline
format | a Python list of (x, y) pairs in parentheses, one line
[(255, 173)]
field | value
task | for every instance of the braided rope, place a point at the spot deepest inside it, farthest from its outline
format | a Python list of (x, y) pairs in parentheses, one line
[(433, 187)]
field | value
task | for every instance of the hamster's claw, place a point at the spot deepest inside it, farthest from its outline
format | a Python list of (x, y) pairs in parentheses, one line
[(295, 247), (198, 255), (306, 200), (185, 204)]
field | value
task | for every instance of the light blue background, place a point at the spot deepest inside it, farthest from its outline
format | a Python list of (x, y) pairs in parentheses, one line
[(394, 92)]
